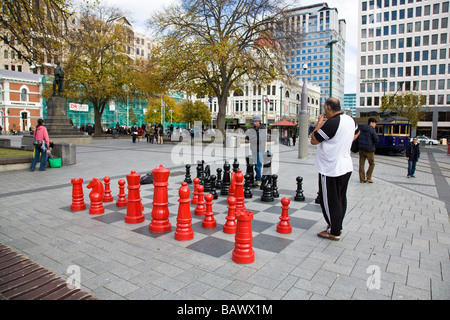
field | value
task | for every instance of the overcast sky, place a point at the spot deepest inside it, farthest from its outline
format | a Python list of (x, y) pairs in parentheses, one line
[(140, 10)]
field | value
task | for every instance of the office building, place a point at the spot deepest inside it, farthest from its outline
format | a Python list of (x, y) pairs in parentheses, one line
[(404, 46)]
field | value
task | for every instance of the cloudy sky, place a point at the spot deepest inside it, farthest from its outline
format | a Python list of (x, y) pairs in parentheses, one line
[(140, 10)]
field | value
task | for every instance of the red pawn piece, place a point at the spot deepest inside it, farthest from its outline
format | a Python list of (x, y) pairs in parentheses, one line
[(230, 226), (200, 209), (184, 229), (239, 191), (107, 197), (96, 196), (209, 221), (243, 252), (122, 200), (284, 226), (195, 196), (160, 213), (134, 207), (77, 195)]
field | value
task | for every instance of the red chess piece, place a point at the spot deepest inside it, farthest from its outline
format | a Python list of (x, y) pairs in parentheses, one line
[(243, 252), (184, 229), (107, 197), (239, 191), (122, 200), (195, 196), (232, 186), (96, 196), (284, 226), (200, 209), (77, 195), (230, 226), (160, 213), (134, 207), (209, 221)]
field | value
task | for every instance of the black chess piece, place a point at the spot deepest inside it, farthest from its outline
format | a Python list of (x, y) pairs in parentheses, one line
[(276, 194), (226, 179), (267, 195), (247, 188), (250, 171), (187, 177), (219, 179), (299, 192), (200, 171), (207, 184), (213, 187), (263, 181), (235, 165)]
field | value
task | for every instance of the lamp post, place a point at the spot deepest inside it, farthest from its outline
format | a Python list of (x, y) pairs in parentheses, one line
[(281, 101), (330, 45), (266, 101), (303, 122)]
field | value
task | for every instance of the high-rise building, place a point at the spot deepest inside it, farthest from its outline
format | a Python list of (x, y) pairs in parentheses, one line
[(404, 46), (350, 103), (320, 48)]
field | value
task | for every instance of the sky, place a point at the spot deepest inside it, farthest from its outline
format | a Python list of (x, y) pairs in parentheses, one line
[(140, 10)]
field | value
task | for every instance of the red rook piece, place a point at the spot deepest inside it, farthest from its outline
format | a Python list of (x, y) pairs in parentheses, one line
[(209, 221), (243, 252), (160, 213), (134, 207), (122, 200), (107, 197), (230, 226), (77, 195), (284, 226), (200, 209), (184, 229)]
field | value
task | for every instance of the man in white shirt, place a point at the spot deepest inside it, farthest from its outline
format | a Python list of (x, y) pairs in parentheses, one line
[(334, 164)]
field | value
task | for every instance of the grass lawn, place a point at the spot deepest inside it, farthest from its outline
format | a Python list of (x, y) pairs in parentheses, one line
[(8, 153)]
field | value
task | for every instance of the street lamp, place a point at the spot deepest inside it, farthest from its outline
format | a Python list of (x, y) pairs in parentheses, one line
[(330, 45), (281, 101)]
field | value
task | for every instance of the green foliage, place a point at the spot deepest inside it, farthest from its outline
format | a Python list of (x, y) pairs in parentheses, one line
[(196, 111), (408, 104)]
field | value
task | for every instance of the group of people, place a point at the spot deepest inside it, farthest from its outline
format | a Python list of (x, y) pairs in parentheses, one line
[(151, 133)]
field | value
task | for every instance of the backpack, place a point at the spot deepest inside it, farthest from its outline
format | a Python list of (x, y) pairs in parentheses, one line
[(355, 146), (147, 179)]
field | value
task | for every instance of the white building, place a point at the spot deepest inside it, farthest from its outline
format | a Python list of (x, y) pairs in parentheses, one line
[(404, 46), (319, 25)]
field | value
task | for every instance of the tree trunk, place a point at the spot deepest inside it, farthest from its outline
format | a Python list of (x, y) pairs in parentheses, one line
[(97, 119), (222, 112)]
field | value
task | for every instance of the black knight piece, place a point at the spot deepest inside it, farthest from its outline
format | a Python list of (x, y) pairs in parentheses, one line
[(267, 195)]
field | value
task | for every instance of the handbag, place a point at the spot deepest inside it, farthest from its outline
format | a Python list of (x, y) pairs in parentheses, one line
[(36, 143), (147, 179)]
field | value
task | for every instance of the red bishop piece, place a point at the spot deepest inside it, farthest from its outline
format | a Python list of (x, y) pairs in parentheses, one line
[(230, 226), (107, 197), (134, 207), (77, 195), (284, 226), (160, 213), (184, 231), (195, 194), (209, 221), (200, 209), (243, 252), (122, 200)]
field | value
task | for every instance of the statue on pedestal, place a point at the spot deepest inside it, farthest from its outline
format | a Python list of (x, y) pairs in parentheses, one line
[(59, 79)]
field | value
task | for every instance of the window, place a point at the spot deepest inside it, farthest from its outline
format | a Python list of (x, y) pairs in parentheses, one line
[(23, 95)]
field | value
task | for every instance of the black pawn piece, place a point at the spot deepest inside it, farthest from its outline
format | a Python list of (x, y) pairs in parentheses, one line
[(247, 188), (267, 195), (187, 177), (219, 179), (275, 186), (299, 192), (235, 165), (213, 187), (226, 179)]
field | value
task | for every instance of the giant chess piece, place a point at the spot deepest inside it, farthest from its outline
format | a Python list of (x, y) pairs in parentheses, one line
[(201, 208), (230, 226), (200, 171), (96, 196), (134, 207), (250, 170), (77, 195), (122, 200), (213, 187), (160, 213), (267, 195), (243, 252), (247, 188), (195, 193), (187, 177), (239, 191), (235, 165), (299, 192), (209, 221), (276, 194), (207, 182), (226, 179), (267, 166), (107, 197), (284, 226), (219, 179), (184, 229)]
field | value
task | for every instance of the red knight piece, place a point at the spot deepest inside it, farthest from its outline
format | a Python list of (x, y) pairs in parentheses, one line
[(184, 229), (284, 226), (209, 221), (243, 252), (122, 200), (96, 196), (200, 209), (230, 226), (160, 213), (107, 197), (195, 196), (134, 207), (77, 195)]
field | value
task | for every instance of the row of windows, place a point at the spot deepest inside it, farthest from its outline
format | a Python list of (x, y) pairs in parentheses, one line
[(401, 43), (13, 67), (393, 30), (419, 70), (401, 57), (430, 100), (423, 85), (435, 8)]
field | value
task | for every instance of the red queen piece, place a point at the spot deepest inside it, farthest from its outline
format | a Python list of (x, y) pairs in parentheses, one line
[(134, 207)]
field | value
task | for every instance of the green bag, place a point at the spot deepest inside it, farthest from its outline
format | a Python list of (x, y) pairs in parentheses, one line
[(55, 162)]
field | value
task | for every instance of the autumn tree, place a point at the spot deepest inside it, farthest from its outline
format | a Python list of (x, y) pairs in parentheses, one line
[(207, 47), (408, 104), (196, 111)]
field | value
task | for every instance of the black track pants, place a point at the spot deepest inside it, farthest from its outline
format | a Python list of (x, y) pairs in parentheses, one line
[(333, 200)]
